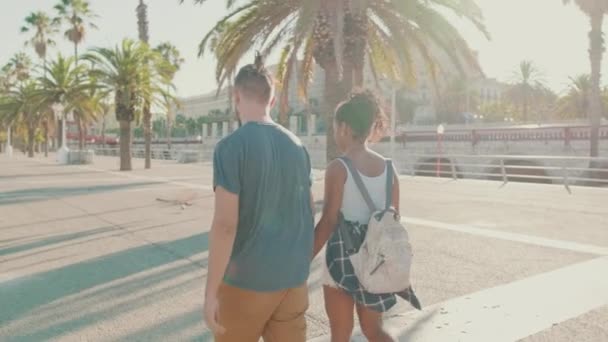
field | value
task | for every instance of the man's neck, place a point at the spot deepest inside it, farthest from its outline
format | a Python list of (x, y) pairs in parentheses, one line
[(256, 115)]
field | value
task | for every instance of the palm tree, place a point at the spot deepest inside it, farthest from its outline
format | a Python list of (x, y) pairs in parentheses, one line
[(65, 82), (144, 37), (394, 35), (78, 15), (575, 104), (18, 69), (122, 71), (171, 54), (527, 77), (44, 27), (596, 10), (21, 107)]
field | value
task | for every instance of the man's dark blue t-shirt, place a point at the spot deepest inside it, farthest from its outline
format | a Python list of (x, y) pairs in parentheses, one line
[(270, 170)]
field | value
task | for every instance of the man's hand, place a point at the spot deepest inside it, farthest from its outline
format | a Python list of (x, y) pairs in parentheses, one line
[(211, 314)]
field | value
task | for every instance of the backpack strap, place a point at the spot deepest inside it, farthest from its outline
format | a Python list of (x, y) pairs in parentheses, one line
[(390, 174), (359, 182)]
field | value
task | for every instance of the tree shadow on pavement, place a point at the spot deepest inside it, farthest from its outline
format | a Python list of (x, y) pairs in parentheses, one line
[(75, 217), (55, 240), (18, 297), (41, 194)]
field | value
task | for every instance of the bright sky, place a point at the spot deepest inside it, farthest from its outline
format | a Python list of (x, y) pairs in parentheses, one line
[(550, 34)]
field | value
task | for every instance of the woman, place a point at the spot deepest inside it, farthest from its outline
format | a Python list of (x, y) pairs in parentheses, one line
[(357, 121)]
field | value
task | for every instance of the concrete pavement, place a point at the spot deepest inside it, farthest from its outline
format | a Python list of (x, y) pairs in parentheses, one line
[(88, 253)]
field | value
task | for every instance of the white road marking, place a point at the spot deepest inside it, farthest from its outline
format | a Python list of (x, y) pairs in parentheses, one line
[(509, 312), (501, 235)]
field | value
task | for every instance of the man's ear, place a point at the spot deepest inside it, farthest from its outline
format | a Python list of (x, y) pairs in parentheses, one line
[(273, 101)]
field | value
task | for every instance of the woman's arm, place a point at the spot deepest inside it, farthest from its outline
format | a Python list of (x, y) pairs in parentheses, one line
[(396, 195), (335, 177)]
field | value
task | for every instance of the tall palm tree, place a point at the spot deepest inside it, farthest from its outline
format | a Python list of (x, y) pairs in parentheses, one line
[(144, 37), (43, 28), (527, 77), (122, 71), (595, 10), (78, 16), (171, 54), (21, 107), (396, 36)]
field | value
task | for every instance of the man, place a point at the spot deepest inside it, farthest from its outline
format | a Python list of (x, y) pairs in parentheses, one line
[(262, 232)]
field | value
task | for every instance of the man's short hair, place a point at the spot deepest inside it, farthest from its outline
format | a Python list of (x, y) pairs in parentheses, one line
[(254, 81)]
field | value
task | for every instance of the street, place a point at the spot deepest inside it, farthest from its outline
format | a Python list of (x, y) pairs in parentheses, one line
[(91, 254)]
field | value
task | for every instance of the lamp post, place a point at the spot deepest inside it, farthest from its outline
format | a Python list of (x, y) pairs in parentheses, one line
[(9, 144), (440, 132), (62, 153)]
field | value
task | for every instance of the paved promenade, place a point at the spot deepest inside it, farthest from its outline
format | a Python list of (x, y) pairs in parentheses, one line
[(91, 254)]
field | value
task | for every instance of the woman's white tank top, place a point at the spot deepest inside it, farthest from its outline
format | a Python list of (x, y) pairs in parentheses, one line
[(354, 207)]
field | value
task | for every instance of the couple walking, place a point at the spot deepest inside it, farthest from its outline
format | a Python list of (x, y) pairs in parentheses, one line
[(263, 234)]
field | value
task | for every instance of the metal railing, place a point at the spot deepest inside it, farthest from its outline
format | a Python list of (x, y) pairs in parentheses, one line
[(564, 170)]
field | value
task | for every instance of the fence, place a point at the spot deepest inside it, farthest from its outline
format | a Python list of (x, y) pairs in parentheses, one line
[(565, 170)]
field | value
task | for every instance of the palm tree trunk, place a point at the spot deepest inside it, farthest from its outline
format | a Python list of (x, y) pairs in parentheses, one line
[(76, 54), (348, 77), (125, 145), (80, 133), (525, 104), (332, 96), (169, 131), (359, 77), (31, 135), (148, 134), (85, 134), (144, 36), (46, 121), (46, 138), (103, 132), (596, 51)]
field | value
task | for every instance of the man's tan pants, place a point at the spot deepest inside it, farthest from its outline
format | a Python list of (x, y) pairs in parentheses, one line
[(275, 316)]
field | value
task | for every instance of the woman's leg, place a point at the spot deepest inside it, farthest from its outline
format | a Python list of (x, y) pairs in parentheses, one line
[(371, 325), (340, 308)]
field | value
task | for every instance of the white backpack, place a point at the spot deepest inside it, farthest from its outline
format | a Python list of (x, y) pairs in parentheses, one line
[(384, 260)]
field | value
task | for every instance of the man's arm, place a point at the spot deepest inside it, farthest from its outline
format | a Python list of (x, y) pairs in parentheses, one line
[(221, 243), (221, 240), (335, 177)]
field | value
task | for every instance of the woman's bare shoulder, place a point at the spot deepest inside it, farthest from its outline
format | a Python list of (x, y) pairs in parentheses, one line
[(335, 170)]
